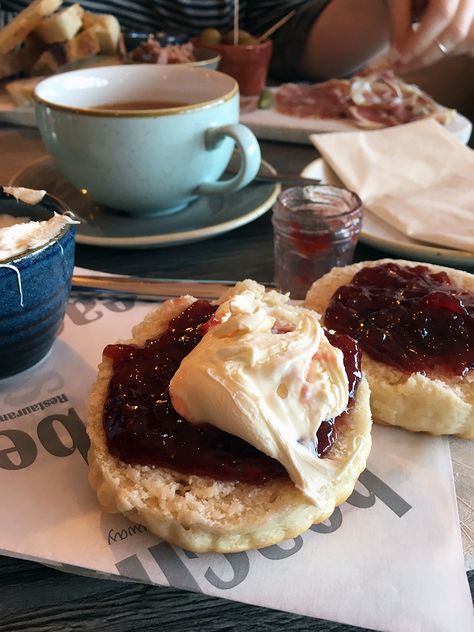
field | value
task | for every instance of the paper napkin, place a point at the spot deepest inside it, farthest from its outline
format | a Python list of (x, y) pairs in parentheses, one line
[(417, 177)]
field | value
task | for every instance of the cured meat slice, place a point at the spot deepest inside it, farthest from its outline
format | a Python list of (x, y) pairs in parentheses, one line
[(326, 100), (369, 100), (152, 52)]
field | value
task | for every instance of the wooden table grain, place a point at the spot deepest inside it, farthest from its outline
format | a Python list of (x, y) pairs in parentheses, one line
[(42, 599)]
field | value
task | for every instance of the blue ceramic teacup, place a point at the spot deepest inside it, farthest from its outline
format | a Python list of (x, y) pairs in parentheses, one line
[(34, 289), (145, 139)]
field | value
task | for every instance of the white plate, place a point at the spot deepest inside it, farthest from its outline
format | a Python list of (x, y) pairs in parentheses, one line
[(378, 234), (205, 217), (271, 125)]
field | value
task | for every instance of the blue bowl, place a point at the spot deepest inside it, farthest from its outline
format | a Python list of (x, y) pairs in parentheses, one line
[(34, 289)]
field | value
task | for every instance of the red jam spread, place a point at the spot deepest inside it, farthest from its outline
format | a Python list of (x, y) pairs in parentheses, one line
[(327, 432), (142, 427), (409, 317)]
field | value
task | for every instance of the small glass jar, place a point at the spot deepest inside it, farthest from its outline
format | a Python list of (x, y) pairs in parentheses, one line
[(315, 228)]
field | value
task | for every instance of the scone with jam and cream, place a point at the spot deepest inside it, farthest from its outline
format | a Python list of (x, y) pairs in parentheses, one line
[(231, 426), (415, 325)]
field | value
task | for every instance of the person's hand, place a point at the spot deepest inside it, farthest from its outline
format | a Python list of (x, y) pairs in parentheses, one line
[(446, 27)]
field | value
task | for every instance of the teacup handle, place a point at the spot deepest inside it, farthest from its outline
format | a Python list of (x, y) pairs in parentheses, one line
[(249, 158)]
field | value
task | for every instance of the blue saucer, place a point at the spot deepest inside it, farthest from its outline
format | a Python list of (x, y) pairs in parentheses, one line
[(205, 217)]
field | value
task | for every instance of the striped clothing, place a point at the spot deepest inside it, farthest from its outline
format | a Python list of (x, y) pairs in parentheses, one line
[(191, 16), (183, 16)]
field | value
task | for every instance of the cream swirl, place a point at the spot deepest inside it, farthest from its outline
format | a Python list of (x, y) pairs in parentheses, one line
[(265, 372)]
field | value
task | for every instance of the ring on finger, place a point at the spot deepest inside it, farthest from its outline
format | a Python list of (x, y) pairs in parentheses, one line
[(442, 47)]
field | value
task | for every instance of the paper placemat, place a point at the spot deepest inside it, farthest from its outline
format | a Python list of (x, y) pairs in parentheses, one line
[(390, 558)]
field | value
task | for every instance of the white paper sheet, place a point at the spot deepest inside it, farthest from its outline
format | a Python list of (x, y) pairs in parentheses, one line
[(416, 177), (390, 558)]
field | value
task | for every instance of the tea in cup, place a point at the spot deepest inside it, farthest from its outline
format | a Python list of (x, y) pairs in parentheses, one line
[(145, 139)]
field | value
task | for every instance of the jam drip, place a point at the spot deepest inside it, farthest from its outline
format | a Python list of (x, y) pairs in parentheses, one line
[(142, 427), (409, 317), (327, 431)]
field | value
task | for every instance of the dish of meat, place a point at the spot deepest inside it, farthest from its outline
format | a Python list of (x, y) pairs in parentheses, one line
[(367, 101)]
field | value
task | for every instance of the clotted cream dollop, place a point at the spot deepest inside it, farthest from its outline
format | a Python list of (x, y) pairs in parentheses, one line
[(265, 371)]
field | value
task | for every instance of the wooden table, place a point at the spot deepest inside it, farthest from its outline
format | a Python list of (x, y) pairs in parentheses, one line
[(35, 597)]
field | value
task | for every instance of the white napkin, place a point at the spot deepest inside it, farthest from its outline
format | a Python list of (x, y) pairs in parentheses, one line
[(417, 177)]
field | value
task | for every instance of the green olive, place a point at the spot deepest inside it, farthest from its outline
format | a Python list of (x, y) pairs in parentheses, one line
[(228, 38), (210, 36), (265, 101), (242, 37), (248, 40)]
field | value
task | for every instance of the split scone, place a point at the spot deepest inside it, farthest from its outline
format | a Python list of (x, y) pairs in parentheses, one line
[(231, 426), (415, 324)]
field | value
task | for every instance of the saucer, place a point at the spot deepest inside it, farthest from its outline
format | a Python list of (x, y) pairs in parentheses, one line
[(205, 217)]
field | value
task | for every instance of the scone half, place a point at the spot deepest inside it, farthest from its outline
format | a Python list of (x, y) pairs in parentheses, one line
[(200, 513), (414, 401)]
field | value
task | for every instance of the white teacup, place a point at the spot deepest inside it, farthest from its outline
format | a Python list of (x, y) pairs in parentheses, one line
[(145, 139)]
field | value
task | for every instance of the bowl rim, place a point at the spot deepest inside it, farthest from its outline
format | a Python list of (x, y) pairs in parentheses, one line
[(214, 57), (55, 205)]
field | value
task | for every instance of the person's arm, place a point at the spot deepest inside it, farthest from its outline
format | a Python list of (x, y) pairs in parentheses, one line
[(346, 36), (336, 38)]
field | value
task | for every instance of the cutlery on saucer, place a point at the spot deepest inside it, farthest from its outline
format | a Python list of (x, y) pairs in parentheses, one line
[(290, 179)]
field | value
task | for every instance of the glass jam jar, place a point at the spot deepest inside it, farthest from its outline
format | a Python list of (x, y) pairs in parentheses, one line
[(315, 228)]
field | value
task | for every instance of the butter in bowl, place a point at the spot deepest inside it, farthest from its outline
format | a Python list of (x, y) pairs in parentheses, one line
[(36, 263)]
